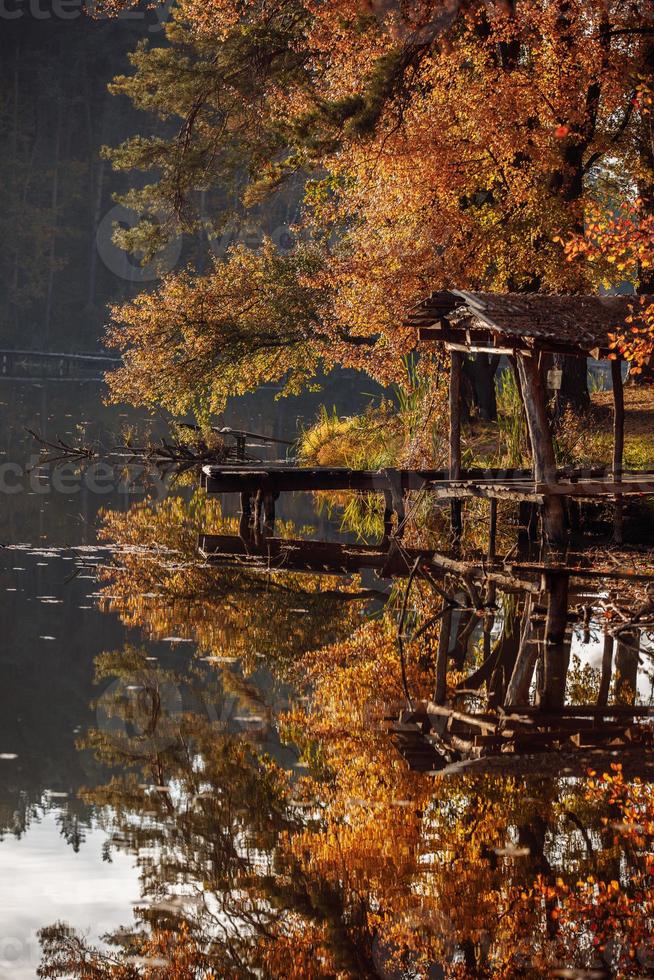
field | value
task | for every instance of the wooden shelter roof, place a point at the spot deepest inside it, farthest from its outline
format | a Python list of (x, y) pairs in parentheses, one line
[(565, 323)]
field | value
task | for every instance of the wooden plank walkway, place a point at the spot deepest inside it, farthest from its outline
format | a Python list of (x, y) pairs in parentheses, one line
[(499, 484)]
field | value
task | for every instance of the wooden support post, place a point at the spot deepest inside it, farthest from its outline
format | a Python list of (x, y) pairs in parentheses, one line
[(456, 360), (269, 512), (533, 394), (245, 521), (618, 444), (557, 651)]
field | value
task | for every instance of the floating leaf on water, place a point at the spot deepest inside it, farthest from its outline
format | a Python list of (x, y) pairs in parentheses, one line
[(47, 638)]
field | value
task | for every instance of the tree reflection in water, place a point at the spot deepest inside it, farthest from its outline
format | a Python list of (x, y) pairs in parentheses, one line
[(353, 866)]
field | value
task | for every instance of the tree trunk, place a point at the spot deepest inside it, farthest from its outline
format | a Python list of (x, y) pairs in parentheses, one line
[(481, 370), (573, 392), (533, 394)]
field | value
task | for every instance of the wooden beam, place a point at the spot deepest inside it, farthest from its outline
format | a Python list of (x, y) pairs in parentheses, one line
[(618, 445)]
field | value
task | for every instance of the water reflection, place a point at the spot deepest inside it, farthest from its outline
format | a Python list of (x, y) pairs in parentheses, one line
[(240, 775), (157, 581), (50, 631), (276, 830), (353, 871)]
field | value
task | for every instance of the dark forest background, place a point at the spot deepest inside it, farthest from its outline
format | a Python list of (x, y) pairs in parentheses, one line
[(55, 190), (58, 266)]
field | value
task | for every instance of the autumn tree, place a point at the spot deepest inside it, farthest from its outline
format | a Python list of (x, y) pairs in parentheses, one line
[(441, 145)]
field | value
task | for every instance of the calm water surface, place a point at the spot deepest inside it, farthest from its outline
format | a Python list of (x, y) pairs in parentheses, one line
[(120, 780), (53, 862)]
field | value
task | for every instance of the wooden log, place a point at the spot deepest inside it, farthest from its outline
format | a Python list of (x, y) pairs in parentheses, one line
[(456, 360), (632, 485), (618, 445), (491, 595), (507, 651), (388, 514), (542, 447)]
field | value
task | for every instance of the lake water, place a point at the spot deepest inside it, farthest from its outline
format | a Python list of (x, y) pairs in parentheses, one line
[(134, 783), (52, 865)]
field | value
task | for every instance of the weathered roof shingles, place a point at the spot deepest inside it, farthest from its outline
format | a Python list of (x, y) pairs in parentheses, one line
[(582, 323)]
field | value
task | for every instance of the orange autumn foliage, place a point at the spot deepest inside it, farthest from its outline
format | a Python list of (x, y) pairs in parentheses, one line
[(443, 145)]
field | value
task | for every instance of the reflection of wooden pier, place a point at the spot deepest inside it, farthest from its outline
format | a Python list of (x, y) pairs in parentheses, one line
[(336, 558), (438, 738)]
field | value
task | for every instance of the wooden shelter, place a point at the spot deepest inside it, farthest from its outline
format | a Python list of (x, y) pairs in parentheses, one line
[(524, 327)]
